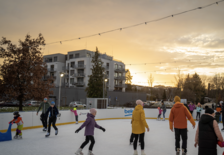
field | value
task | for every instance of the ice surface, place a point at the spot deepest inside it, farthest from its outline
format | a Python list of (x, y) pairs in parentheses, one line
[(115, 141)]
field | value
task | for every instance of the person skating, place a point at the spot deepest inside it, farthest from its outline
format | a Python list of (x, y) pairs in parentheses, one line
[(18, 120), (164, 110), (177, 118), (90, 124), (76, 115), (222, 112), (138, 126), (160, 112), (207, 134), (191, 108), (52, 118), (198, 111), (44, 105)]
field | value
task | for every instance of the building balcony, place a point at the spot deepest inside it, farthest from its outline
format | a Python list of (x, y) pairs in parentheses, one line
[(80, 75), (79, 84), (120, 85), (119, 70), (80, 66), (106, 67), (51, 69), (120, 78), (72, 67)]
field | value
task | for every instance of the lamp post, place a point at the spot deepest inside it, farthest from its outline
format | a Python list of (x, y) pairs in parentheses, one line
[(61, 75)]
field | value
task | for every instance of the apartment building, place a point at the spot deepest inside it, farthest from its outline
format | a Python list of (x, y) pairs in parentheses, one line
[(77, 67)]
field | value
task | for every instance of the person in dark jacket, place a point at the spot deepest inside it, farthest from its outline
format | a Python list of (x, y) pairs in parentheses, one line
[(222, 112), (164, 110), (89, 125), (207, 134), (44, 105), (52, 118)]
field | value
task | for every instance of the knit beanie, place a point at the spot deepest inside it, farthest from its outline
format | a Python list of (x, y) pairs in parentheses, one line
[(92, 111), (139, 102), (209, 111), (74, 109), (176, 99), (45, 99), (52, 103)]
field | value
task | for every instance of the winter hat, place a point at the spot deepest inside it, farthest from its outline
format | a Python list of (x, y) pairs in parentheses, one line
[(209, 111), (139, 102), (176, 99), (16, 113), (52, 103), (92, 111), (74, 109), (45, 99)]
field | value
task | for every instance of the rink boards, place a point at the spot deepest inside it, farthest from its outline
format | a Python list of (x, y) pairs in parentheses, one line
[(31, 120)]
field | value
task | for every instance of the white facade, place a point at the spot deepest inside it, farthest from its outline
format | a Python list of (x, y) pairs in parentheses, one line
[(77, 66)]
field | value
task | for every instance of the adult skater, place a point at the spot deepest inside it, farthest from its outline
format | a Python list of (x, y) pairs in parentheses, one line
[(52, 118), (44, 105), (222, 112), (177, 118), (90, 124), (191, 108), (164, 110), (138, 126), (207, 134)]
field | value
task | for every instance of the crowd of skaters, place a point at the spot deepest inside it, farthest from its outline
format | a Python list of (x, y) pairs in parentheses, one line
[(207, 135)]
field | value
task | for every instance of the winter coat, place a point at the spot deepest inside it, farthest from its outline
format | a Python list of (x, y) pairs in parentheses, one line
[(191, 107), (138, 120), (199, 109), (90, 125), (207, 135), (53, 112), (186, 107), (163, 107), (18, 120), (44, 106), (75, 112), (160, 111), (178, 116)]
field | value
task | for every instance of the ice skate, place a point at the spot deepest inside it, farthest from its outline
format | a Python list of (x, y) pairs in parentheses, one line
[(143, 153), (222, 129), (79, 152), (164, 119), (44, 129), (183, 153), (131, 143), (135, 152), (56, 132), (77, 123), (20, 137), (15, 137), (178, 152), (90, 153), (47, 135)]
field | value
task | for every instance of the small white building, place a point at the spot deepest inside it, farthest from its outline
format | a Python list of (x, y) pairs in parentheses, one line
[(77, 66)]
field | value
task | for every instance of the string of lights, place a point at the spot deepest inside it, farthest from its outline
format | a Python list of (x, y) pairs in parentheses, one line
[(139, 24)]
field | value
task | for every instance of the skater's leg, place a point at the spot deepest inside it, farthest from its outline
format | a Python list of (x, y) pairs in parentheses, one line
[(19, 129), (45, 121), (199, 115), (53, 123), (42, 119), (76, 118), (85, 142), (177, 139), (49, 125), (184, 139), (164, 112), (135, 141), (131, 138), (142, 136), (91, 138)]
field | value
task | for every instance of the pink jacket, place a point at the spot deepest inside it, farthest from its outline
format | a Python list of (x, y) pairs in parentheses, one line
[(160, 111), (75, 112)]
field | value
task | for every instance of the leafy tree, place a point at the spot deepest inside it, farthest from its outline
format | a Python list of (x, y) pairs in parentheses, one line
[(96, 79), (23, 70), (128, 80)]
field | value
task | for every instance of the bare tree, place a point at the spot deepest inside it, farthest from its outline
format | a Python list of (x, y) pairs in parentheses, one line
[(150, 80)]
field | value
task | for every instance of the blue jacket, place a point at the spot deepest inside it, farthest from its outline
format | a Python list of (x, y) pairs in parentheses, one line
[(53, 111), (199, 109)]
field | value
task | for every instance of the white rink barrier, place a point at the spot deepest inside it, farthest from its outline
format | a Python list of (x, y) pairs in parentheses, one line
[(31, 120)]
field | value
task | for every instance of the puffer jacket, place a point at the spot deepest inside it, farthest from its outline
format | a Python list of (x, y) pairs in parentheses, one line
[(138, 120)]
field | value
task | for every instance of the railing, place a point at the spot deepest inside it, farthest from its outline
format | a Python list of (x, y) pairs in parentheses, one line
[(120, 78), (80, 75), (72, 67), (120, 85), (78, 83), (106, 67), (119, 70), (80, 66), (73, 75), (48, 77), (51, 69)]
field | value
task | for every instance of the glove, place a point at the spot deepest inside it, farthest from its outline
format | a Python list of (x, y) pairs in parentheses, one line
[(102, 129), (220, 144), (10, 122), (77, 130)]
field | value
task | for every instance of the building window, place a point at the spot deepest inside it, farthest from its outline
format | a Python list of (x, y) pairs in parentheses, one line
[(72, 64), (70, 56), (81, 64), (72, 72), (77, 55), (72, 80), (65, 57), (116, 66), (108, 73), (80, 80), (55, 59)]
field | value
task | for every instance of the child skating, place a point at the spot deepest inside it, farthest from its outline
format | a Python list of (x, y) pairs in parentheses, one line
[(198, 112), (18, 120), (52, 118), (90, 124), (160, 113), (76, 115)]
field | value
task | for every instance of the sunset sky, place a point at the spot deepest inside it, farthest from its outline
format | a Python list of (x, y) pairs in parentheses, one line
[(195, 40)]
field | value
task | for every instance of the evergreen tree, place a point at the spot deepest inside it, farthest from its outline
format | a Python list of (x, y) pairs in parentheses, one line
[(96, 79)]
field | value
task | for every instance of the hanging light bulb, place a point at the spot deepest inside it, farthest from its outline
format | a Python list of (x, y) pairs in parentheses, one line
[(120, 29), (217, 3), (199, 7), (172, 15), (145, 23), (79, 38), (99, 34), (60, 42)]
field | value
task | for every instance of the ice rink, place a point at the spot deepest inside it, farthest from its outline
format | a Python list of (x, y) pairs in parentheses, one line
[(115, 141)]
